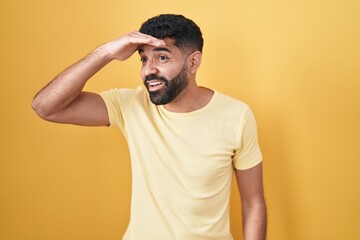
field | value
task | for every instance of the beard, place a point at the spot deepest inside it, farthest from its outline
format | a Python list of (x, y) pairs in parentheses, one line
[(172, 88)]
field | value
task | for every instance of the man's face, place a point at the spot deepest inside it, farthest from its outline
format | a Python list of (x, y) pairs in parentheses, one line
[(164, 72)]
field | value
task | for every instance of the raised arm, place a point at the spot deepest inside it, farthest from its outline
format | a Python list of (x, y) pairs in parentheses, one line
[(250, 185), (63, 99)]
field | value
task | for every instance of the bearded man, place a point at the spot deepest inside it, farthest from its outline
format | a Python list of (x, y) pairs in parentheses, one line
[(186, 141)]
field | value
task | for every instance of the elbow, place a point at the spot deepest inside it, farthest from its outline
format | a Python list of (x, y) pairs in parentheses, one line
[(40, 109)]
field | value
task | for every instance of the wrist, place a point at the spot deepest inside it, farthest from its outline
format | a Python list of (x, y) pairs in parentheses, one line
[(103, 52)]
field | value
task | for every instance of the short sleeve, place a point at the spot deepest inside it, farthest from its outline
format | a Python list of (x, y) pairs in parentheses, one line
[(116, 101), (248, 154)]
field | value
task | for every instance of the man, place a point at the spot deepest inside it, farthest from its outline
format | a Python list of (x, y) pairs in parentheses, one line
[(185, 141)]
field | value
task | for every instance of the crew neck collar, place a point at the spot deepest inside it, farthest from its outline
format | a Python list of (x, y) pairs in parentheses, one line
[(191, 113)]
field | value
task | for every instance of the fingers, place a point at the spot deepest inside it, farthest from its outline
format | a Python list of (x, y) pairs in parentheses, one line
[(139, 38), (123, 47)]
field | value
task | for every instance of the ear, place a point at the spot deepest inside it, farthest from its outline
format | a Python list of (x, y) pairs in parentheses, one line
[(194, 61)]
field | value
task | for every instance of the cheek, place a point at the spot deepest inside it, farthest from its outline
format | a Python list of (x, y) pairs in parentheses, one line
[(169, 72)]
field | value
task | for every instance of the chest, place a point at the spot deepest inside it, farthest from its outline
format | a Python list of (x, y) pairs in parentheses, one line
[(199, 147)]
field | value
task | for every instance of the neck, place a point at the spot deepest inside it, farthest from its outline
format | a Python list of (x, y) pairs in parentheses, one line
[(190, 99)]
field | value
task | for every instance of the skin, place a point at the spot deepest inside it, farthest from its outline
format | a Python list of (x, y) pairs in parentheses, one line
[(252, 202), (64, 101)]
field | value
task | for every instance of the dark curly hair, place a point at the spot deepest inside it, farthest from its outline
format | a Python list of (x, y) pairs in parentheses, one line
[(185, 32)]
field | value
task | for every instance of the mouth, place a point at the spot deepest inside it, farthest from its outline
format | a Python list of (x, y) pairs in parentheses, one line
[(155, 85)]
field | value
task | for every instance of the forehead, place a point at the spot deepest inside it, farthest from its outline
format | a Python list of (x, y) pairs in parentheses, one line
[(169, 47)]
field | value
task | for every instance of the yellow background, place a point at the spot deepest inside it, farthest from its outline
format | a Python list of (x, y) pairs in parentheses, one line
[(296, 63)]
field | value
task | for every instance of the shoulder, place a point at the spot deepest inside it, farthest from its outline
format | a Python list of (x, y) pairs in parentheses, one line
[(122, 99), (228, 103), (233, 110), (124, 94), (123, 91)]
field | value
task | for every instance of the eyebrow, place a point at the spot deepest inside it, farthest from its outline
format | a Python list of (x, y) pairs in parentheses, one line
[(159, 49)]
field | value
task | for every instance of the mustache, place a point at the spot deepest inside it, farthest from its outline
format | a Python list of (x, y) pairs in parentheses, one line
[(155, 77)]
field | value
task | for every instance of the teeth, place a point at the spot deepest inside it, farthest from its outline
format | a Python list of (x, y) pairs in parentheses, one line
[(155, 83)]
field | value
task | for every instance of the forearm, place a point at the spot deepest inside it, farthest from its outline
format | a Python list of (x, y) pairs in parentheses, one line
[(63, 101), (65, 87), (254, 221)]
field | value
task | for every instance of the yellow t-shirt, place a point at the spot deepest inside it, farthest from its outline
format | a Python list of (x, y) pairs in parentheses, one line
[(182, 163)]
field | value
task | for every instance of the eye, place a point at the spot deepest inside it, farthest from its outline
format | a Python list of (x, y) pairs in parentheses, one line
[(143, 60), (163, 58)]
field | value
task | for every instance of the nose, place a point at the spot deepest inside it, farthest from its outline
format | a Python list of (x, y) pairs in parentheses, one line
[(150, 67)]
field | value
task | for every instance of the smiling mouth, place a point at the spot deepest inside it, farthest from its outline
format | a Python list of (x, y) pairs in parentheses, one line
[(155, 85)]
